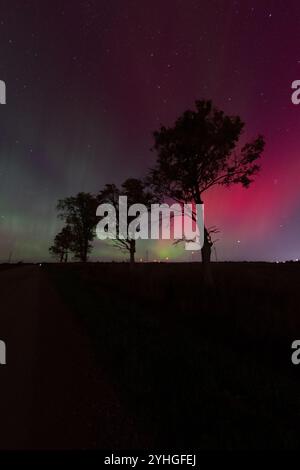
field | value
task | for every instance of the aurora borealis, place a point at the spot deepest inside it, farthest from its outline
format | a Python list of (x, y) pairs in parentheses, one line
[(89, 81)]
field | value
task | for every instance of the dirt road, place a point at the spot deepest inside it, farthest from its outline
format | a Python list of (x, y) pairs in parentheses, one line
[(52, 395)]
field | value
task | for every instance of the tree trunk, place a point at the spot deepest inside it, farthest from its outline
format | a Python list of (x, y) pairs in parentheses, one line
[(206, 256), (85, 251), (132, 251)]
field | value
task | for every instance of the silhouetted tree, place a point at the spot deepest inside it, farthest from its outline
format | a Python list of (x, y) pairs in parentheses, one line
[(63, 244), (136, 193), (199, 152), (79, 213)]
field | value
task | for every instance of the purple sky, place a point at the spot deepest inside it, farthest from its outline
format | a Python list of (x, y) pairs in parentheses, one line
[(89, 81)]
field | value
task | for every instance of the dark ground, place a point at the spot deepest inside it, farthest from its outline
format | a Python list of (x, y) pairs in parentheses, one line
[(106, 356)]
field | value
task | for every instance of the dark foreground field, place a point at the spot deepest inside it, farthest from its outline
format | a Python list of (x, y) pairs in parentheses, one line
[(191, 367), (108, 356)]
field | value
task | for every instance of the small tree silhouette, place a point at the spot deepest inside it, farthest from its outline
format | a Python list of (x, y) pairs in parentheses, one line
[(199, 152), (79, 213), (136, 192), (63, 244)]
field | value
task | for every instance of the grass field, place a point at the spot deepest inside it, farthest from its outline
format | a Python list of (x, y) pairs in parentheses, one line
[(198, 368)]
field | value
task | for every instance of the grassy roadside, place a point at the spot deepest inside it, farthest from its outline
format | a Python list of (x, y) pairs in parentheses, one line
[(195, 368)]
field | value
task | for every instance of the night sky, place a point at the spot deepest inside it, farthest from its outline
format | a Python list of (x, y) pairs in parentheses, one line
[(89, 81)]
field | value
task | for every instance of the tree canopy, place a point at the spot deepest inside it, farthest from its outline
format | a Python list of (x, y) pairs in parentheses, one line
[(200, 151), (79, 213)]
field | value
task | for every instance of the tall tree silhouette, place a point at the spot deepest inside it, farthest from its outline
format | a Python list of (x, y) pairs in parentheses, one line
[(63, 244), (79, 213), (200, 151), (136, 193)]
